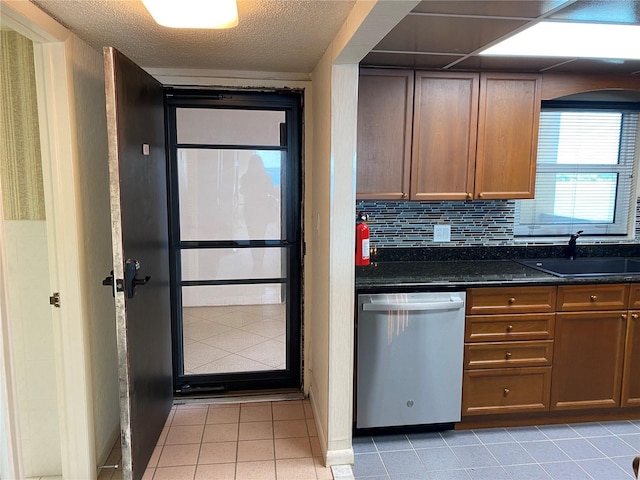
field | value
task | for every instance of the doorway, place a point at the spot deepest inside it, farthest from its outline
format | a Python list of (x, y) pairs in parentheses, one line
[(27, 338), (235, 192)]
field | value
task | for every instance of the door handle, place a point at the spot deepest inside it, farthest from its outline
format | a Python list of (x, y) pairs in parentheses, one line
[(109, 282), (131, 280), (423, 307)]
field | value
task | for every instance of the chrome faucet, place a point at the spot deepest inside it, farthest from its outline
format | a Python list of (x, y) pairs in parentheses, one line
[(570, 250)]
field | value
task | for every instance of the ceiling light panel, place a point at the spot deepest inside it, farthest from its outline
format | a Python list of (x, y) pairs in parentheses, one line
[(573, 40), (193, 13)]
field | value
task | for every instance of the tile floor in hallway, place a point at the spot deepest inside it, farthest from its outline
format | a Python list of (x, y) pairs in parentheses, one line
[(239, 441), (234, 338), (587, 451)]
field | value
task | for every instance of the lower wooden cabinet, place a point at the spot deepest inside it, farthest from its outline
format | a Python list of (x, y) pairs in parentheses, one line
[(631, 370), (588, 360), (506, 390), (508, 350), (571, 348)]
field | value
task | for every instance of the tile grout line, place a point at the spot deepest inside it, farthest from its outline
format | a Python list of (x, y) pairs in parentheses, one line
[(546, 438)]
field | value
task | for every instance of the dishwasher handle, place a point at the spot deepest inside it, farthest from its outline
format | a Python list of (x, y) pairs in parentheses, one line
[(421, 307)]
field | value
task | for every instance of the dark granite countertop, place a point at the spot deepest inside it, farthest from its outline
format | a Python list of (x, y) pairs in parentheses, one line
[(437, 275)]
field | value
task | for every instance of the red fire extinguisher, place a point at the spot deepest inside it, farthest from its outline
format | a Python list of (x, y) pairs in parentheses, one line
[(362, 239)]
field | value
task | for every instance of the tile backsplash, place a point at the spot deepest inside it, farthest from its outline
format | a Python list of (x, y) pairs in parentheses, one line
[(396, 224)]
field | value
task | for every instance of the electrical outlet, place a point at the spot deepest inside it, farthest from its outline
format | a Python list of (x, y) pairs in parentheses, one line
[(442, 233)]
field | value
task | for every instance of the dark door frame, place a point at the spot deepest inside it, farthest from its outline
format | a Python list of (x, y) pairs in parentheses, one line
[(289, 101)]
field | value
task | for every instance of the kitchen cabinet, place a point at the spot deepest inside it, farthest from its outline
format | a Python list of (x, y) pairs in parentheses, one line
[(630, 376), (544, 348), (509, 115), (509, 341), (445, 123), (589, 348), (385, 112), (473, 135)]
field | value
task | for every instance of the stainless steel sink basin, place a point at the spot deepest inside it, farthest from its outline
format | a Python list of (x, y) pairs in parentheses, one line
[(584, 266)]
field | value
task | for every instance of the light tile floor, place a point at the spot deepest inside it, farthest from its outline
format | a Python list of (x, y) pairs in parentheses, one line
[(586, 451), (234, 338), (240, 441)]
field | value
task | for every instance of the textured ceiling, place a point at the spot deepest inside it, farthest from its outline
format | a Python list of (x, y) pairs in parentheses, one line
[(272, 35)]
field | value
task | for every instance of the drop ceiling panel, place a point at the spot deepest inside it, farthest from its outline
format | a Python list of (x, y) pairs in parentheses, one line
[(408, 60), (511, 64), (582, 65), (615, 11), (455, 35), (522, 8)]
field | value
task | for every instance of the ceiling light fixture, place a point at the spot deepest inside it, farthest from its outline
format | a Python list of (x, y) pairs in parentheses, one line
[(564, 39), (193, 13)]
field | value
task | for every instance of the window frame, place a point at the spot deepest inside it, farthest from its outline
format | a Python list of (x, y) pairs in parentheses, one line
[(623, 223)]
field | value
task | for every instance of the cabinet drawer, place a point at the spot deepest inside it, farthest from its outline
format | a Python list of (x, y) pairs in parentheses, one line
[(634, 296), (592, 297), (508, 354), (488, 328), (506, 390), (511, 300)]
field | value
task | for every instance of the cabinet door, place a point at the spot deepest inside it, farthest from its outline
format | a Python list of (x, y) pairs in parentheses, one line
[(587, 360), (630, 376), (385, 112), (444, 136), (507, 135)]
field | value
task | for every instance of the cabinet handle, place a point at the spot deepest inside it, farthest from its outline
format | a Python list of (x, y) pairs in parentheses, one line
[(469, 195), (507, 355), (512, 300), (509, 328), (405, 196), (634, 316), (480, 195), (505, 392), (623, 316), (593, 298)]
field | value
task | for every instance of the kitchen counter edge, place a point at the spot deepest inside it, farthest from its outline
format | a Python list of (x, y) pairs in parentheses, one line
[(407, 276)]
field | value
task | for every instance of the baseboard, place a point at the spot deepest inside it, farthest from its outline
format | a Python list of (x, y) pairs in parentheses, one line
[(331, 457), (339, 457)]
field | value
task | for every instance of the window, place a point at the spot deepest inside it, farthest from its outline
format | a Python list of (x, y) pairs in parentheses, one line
[(584, 178)]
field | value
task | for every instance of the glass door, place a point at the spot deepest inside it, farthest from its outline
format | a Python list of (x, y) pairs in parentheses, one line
[(235, 194)]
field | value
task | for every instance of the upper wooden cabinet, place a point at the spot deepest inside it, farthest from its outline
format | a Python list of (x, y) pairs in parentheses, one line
[(385, 112), (474, 135), (507, 135), (445, 123)]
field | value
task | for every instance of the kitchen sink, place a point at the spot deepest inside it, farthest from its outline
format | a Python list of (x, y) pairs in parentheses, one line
[(584, 266)]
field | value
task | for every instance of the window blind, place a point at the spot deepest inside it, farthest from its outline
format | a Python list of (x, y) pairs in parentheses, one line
[(584, 176)]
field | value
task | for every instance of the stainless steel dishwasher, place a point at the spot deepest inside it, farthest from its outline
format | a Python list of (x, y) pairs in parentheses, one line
[(409, 359)]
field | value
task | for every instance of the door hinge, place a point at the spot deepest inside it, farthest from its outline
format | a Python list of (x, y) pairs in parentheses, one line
[(55, 299)]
